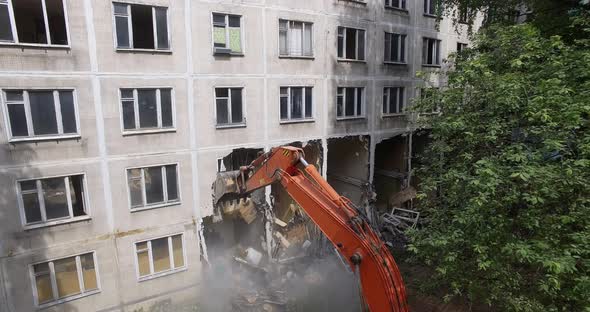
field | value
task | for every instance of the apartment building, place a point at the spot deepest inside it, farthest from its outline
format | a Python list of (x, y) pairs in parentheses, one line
[(117, 115)]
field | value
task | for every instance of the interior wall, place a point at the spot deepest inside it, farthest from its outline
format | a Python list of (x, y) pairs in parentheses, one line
[(391, 166), (348, 167)]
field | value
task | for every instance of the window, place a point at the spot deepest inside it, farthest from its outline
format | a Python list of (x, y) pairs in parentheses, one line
[(350, 102), (145, 109), (431, 52), (37, 22), (227, 34), (295, 38), (393, 100), (431, 7), (141, 27), (228, 105), (296, 103), (52, 200), (395, 48), (464, 13), (159, 256), (397, 4), (154, 186), (65, 279), (38, 114), (351, 44), (461, 46)]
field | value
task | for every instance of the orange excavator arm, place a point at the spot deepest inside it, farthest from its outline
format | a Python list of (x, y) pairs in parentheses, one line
[(381, 282)]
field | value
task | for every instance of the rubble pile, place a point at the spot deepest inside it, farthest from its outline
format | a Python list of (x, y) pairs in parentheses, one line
[(266, 258)]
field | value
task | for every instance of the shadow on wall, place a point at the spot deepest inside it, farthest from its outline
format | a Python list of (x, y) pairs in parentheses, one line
[(20, 249)]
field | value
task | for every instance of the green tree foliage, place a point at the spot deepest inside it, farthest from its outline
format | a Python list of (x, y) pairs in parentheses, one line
[(505, 185), (551, 17)]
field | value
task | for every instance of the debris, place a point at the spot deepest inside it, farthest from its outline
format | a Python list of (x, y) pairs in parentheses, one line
[(283, 240), (280, 223), (397, 199), (247, 210), (297, 234), (253, 256)]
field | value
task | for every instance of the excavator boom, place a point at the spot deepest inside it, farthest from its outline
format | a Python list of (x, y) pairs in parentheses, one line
[(381, 282)]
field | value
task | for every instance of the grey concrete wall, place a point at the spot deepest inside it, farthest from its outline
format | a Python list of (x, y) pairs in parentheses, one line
[(96, 70)]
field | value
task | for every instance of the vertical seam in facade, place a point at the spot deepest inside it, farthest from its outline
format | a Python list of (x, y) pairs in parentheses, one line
[(191, 110)]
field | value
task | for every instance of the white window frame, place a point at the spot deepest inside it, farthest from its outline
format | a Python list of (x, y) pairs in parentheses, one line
[(296, 120), (436, 53), (229, 124), (129, 16), (44, 222), (166, 201), (15, 39), (389, 5), (430, 5), (356, 39), (226, 27), (159, 128), (288, 35), (401, 37), (26, 103), (172, 269), (53, 279), (397, 90), (357, 115)]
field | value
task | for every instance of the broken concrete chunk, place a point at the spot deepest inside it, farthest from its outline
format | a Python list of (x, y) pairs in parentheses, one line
[(280, 223), (253, 256)]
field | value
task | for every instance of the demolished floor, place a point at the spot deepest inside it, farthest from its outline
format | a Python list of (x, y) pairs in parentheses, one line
[(264, 254)]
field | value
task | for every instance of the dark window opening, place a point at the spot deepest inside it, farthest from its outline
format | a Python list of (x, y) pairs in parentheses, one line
[(30, 22), (143, 27)]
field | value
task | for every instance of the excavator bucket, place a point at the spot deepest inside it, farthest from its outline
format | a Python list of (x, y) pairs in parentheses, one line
[(225, 186)]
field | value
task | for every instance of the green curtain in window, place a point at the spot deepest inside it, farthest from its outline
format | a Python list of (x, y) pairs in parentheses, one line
[(235, 39)]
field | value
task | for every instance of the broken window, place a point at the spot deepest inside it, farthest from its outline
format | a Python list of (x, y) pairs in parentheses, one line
[(295, 38), (395, 48), (64, 279), (227, 34), (350, 102), (296, 103), (158, 256), (431, 7), (145, 109), (393, 100), (397, 4), (228, 105), (41, 113), (430, 52), (141, 26), (52, 199), (153, 186), (351, 44), (33, 22)]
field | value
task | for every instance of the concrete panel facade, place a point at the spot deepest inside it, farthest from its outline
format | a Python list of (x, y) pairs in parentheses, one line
[(93, 67)]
